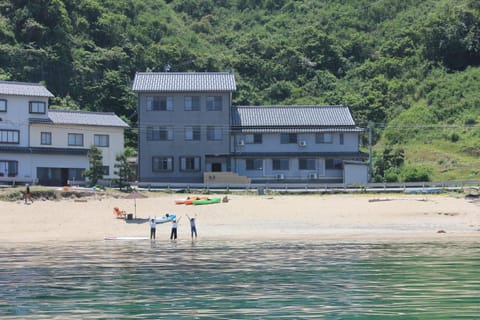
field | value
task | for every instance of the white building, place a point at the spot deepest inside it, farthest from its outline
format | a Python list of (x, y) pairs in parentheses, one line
[(50, 146)]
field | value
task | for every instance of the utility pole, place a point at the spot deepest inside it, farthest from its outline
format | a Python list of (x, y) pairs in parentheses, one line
[(370, 166)]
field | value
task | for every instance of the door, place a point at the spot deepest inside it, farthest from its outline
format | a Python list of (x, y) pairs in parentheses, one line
[(216, 167)]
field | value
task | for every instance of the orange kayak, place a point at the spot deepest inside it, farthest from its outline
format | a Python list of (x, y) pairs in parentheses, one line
[(190, 201)]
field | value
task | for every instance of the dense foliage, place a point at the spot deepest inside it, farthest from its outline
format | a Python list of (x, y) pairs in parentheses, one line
[(410, 68)]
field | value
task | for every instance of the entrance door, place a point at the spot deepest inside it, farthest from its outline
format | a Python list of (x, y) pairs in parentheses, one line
[(216, 167)]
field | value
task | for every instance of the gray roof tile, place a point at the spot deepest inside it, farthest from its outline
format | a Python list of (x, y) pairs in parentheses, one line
[(24, 89), (108, 119), (292, 116), (184, 82)]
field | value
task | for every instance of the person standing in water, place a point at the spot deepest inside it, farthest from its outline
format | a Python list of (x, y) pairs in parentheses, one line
[(153, 228), (193, 227), (173, 234)]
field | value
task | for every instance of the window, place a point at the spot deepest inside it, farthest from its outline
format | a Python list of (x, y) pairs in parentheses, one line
[(255, 138), (214, 133), (10, 136), (46, 138), (162, 164), (288, 138), (3, 105), (8, 168), (106, 170), (189, 163), (159, 103), (333, 164), (341, 138), (75, 139), (159, 133), (192, 103), (254, 164), (38, 107), (280, 164), (306, 164), (101, 140), (192, 133), (323, 138), (214, 103)]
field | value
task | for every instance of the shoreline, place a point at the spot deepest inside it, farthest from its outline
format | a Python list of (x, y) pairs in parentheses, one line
[(329, 218)]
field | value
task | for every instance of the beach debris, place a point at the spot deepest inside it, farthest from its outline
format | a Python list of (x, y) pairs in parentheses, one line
[(441, 231)]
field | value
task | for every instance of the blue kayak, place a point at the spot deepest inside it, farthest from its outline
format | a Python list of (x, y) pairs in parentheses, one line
[(165, 218)]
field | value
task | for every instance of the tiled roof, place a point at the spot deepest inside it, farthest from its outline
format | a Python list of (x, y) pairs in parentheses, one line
[(184, 82), (24, 89), (292, 117), (108, 119)]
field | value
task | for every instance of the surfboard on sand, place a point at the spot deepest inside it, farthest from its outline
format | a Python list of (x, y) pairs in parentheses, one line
[(126, 238)]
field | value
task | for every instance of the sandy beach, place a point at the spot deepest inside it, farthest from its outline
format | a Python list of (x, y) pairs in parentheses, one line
[(325, 217)]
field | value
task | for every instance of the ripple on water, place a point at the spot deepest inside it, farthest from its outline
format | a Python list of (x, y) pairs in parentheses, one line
[(231, 280)]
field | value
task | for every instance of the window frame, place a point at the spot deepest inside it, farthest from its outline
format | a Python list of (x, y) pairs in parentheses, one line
[(304, 164), (37, 107), (185, 163), (3, 105), (254, 164), (75, 143), (288, 138), (98, 143), (278, 164), (8, 164), (161, 133), (195, 132), (214, 103), (324, 138), (214, 133), (194, 104), (11, 136), (46, 138), (165, 103), (333, 164), (165, 164)]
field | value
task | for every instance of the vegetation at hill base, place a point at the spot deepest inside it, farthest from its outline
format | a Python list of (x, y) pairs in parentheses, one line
[(408, 69)]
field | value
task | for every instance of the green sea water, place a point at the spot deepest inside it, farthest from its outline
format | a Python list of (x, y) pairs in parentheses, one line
[(240, 280)]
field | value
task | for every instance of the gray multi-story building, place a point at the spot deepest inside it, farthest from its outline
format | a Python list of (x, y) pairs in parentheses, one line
[(184, 125), (190, 132)]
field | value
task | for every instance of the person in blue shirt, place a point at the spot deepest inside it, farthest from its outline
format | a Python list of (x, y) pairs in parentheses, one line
[(193, 226)]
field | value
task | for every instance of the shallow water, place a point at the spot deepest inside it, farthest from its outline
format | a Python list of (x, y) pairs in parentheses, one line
[(240, 280)]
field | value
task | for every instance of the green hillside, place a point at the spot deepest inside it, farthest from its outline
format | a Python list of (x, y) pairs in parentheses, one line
[(409, 69)]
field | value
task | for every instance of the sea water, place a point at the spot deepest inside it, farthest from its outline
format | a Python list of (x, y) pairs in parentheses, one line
[(240, 280)]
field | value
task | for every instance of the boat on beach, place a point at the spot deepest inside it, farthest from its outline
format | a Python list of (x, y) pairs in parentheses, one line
[(189, 200), (206, 201), (166, 218)]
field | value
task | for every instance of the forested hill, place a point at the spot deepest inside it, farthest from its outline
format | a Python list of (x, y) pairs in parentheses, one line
[(410, 68)]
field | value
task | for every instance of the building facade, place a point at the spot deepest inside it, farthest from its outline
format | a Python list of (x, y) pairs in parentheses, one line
[(50, 146), (293, 143), (184, 125), (189, 130)]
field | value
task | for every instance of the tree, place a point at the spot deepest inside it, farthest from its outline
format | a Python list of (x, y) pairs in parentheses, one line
[(123, 171), (95, 172)]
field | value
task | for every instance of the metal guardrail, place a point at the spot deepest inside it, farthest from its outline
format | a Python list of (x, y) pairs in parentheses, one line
[(315, 187), (13, 181)]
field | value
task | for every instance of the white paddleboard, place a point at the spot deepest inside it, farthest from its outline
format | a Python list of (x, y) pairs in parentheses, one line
[(126, 238)]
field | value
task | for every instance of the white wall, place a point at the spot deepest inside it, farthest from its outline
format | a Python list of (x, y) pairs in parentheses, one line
[(60, 140)]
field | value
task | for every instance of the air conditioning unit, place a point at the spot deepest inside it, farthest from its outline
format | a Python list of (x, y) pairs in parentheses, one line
[(241, 142), (302, 143), (313, 176), (280, 176)]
